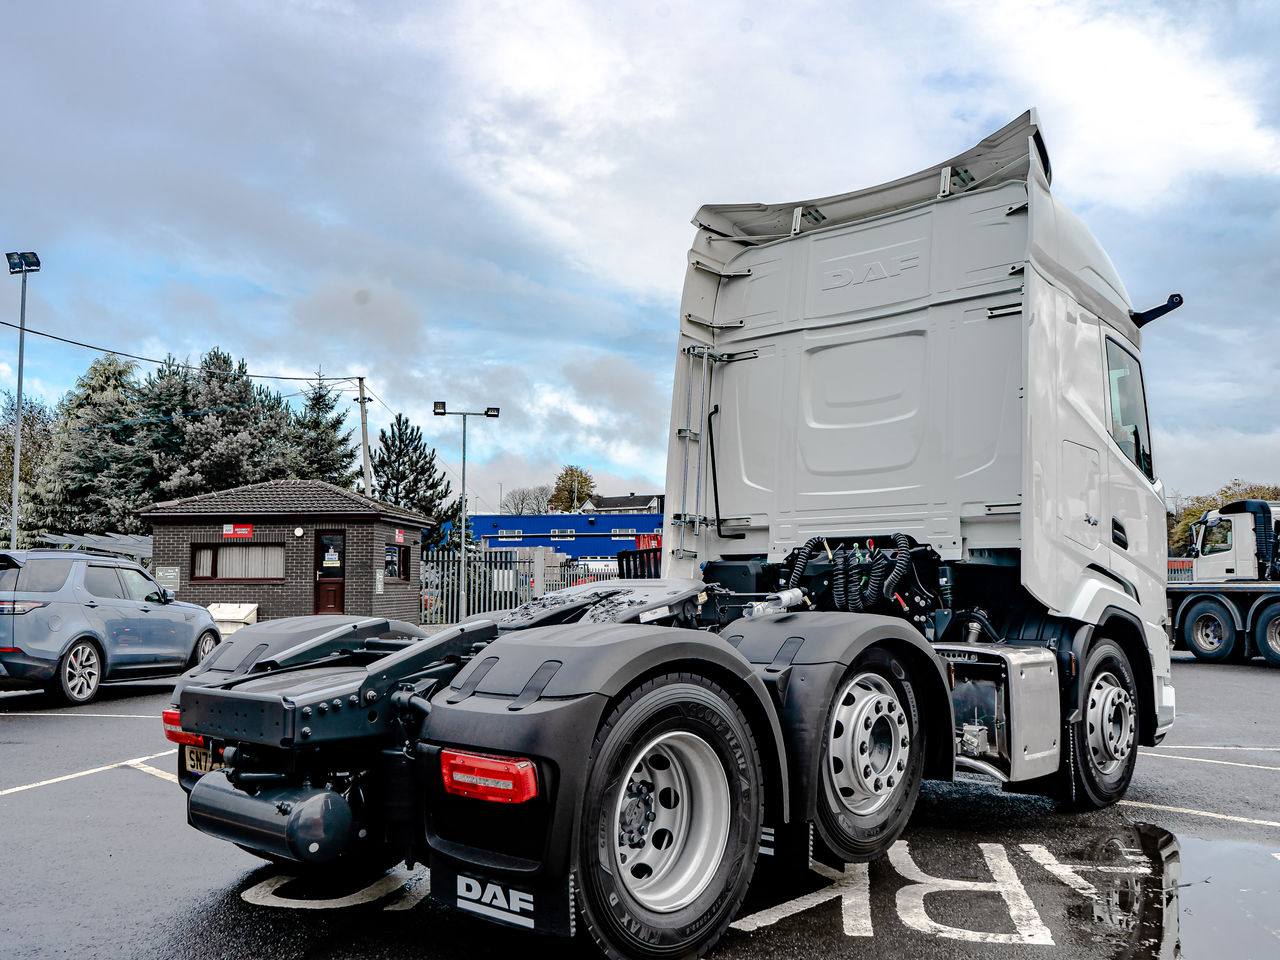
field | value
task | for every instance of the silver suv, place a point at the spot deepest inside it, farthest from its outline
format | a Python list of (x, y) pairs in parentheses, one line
[(71, 621)]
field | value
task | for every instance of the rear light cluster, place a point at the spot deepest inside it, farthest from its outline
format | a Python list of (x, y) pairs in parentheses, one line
[(498, 779), (20, 606), (173, 730)]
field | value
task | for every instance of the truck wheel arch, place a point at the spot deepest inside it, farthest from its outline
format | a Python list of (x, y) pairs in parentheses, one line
[(1126, 630), (1256, 609), (1185, 604)]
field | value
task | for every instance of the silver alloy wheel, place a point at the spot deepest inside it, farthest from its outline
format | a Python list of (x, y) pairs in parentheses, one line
[(672, 818), (868, 744), (205, 645), (82, 670), (1207, 632), (1112, 728)]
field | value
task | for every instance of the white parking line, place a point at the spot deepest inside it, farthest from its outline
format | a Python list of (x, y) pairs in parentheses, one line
[(84, 773), (162, 774), (1200, 813), (1192, 746), (92, 716), (1225, 763)]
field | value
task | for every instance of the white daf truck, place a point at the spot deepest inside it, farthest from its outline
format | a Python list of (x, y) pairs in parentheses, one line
[(1224, 598), (913, 525)]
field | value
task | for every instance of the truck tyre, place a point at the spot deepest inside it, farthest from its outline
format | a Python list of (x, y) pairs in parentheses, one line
[(671, 820), (1266, 634), (872, 759), (1209, 632), (1103, 744)]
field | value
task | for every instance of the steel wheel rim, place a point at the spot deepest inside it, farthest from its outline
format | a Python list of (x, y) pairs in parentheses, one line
[(868, 745), (1272, 637), (82, 670), (1207, 632), (1111, 723), (205, 647), (672, 821)]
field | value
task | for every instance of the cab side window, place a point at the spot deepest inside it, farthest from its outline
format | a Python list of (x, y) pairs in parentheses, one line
[(1128, 407), (103, 582), (1217, 539), (140, 586)]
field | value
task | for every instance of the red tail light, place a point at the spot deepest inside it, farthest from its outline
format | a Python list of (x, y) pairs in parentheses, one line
[(173, 730), (500, 779), (20, 606)]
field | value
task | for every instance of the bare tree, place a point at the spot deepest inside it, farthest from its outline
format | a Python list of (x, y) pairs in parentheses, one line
[(527, 501)]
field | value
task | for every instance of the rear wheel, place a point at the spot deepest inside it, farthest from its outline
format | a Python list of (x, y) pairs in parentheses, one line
[(671, 824), (1209, 631), (79, 672), (1266, 635), (1104, 743), (872, 759)]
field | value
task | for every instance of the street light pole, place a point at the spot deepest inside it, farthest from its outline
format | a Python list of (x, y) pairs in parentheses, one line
[(439, 409), (23, 263)]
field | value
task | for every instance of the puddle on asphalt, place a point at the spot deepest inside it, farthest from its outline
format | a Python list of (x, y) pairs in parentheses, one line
[(1229, 901)]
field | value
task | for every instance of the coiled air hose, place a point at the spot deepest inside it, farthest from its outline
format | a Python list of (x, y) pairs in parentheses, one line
[(802, 560)]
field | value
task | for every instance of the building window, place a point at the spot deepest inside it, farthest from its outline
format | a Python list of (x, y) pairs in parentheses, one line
[(509, 534), (562, 533), (258, 561), (397, 563)]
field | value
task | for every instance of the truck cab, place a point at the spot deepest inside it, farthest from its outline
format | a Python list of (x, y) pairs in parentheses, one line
[(1224, 543)]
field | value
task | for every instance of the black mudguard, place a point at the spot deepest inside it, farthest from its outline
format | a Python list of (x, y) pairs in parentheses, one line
[(802, 657), (542, 694)]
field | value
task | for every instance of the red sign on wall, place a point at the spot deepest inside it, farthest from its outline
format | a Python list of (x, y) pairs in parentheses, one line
[(240, 531), (399, 536)]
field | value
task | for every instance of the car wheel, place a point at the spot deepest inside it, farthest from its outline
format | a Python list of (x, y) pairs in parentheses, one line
[(204, 646), (80, 672), (1209, 632), (1266, 635), (671, 825), (1103, 744), (872, 759)]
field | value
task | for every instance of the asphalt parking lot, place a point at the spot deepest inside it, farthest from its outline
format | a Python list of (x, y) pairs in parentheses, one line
[(98, 860)]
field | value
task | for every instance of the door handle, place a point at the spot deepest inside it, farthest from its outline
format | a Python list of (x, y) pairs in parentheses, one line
[(317, 576), (1118, 535), (91, 605)]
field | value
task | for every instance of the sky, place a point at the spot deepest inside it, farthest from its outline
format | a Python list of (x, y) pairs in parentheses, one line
[(488, 203)]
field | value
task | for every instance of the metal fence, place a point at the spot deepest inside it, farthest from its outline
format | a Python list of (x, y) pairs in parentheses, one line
[(499, 580), (1180, 571)]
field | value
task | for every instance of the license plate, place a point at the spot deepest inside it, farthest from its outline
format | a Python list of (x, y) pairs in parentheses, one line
[(199, 761)]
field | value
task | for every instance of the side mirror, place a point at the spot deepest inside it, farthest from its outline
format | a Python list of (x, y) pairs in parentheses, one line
[(168, 595)]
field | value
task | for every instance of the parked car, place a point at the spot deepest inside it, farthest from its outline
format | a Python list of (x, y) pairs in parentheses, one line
[(71, 621)]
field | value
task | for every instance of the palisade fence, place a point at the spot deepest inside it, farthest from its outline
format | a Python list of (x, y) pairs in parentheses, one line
[(1181, 571), (498, 580)]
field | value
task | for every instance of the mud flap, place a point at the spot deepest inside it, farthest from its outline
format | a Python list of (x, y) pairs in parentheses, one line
[(539, 905)]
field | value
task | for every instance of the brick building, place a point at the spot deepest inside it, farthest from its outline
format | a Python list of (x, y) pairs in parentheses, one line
[(293, 547)]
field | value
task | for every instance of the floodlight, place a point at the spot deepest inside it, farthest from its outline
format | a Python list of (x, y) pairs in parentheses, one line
[(490, 411), (438, 408)]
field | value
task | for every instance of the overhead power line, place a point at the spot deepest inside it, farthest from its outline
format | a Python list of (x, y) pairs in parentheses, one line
[(171, 362)]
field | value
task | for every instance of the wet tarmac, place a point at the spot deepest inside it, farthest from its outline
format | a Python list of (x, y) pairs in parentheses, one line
[(99, 862)]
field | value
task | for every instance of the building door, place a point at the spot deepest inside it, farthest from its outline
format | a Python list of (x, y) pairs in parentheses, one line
[(331, 561)]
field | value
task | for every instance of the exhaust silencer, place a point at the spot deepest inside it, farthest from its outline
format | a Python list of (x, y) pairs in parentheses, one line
[(307, 824)]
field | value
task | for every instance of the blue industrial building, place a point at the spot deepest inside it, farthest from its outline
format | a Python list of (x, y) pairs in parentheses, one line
[(578, 535)]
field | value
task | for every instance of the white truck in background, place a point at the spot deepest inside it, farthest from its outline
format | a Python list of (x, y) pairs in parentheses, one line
[(912, 525), (1224, 598)]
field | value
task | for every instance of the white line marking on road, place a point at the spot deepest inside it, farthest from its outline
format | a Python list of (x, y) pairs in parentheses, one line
[(264, 894), (1069, 873), (416, 889), (92, 716), (85, 773), (162, 774), (1004, 881), (1199, 813), (1225, 763), (853, 886), (1192, 746)]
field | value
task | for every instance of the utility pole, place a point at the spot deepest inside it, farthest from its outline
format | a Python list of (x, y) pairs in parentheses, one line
[(500, 498), (364, 431), (440, 410)]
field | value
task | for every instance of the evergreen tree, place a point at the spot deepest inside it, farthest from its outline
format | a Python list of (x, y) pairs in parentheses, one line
[(325, 450), (437, 539), (405, 470), (95, 473), (38, 425), (168, 396)]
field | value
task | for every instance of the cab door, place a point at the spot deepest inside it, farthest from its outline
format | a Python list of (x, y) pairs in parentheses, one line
[(1218, 558)]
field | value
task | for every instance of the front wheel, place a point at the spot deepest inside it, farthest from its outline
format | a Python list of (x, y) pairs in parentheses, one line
[(671, 824), (872, 759), (204, 646), (1104, 742)]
